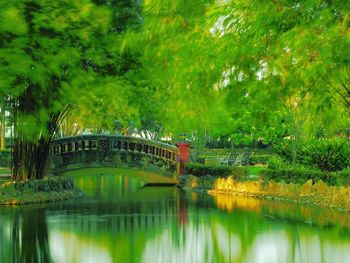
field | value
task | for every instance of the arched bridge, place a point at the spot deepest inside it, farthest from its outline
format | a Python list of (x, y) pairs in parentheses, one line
[(155, 162)]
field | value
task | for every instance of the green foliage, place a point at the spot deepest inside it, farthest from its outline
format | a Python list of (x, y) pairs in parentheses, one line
[(59, 55), (38, 191), (185, 181), (290, 46), (284, 150), (265, 74), (276, 162), (327, 155), (298, 175), (261, 159), (52, 184), (170, 47), (5, 158), (199, 170), (206, 182), (250, 71), (253, 170), (256, 124), (201, 159), (324, 154), (343, 177), (201, 183)]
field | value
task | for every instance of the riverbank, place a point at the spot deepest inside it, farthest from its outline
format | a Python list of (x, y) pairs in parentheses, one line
[(38, 191), (309, 193)]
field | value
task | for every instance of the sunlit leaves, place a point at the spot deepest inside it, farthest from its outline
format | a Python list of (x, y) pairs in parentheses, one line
[(182, 64), (11, 18), (304, 46), (41, 60)]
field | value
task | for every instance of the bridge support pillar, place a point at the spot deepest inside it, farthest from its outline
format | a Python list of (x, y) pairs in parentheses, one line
[(184, 156)]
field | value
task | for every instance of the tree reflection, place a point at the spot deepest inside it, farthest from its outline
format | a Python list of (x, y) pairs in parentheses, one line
[(30, 237)]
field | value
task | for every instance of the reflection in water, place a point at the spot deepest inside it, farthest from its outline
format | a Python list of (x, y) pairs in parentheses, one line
[(228, 203), (69, 247), (283, 210), (27, 239), (121, 221), (107, 186)]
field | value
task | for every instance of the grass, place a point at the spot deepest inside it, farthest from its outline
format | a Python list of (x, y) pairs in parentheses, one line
[(5, 170), (15, 198)]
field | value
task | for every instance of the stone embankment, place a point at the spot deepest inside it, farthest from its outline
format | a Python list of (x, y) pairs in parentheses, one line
[(318, 194)]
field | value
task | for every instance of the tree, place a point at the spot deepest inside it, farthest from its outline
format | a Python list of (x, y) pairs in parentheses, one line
[(185, 66), (297, 51), (173, 48), (279, 54), (54, 54)]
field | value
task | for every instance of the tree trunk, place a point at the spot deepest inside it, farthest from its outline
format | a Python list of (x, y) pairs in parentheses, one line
[(30, 159), (31, 155), (3, 129)]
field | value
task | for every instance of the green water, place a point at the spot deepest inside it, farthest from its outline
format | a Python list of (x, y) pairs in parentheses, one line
[(119, 220)]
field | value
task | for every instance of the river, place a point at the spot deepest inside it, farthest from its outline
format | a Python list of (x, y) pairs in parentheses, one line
[(121, 220)]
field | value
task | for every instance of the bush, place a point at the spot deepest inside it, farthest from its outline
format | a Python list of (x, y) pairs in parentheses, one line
[(201, 160), (325, 154), (297, 176), (343, 177), (276, 162), (223, 171), (263, 159), (5, 158), (206, 182), (190, 181), (198, 169), (52, 184), (284, 150), (184, 180)]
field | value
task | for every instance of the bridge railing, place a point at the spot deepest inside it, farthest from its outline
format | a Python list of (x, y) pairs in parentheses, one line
[(82, 143)]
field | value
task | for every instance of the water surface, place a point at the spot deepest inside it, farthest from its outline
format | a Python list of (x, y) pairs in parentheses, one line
[(120, 220)]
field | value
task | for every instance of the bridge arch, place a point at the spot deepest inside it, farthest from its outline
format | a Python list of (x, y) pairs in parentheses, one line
[(111, 151)]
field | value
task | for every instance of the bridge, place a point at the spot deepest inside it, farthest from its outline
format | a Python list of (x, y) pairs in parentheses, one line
[(151, 161)]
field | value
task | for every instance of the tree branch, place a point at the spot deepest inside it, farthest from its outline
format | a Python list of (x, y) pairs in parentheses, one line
[(346, 88)]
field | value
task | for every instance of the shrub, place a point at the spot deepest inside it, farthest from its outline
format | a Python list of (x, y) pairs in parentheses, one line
[(263, 159), (297, 176), (200, 170), (206, 182), (325, 154), (201, 160), (238, 172), (343, 177), (184, 180), (5, 158), (190, 181), (276, 162), (284, 150), (52, 184)]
